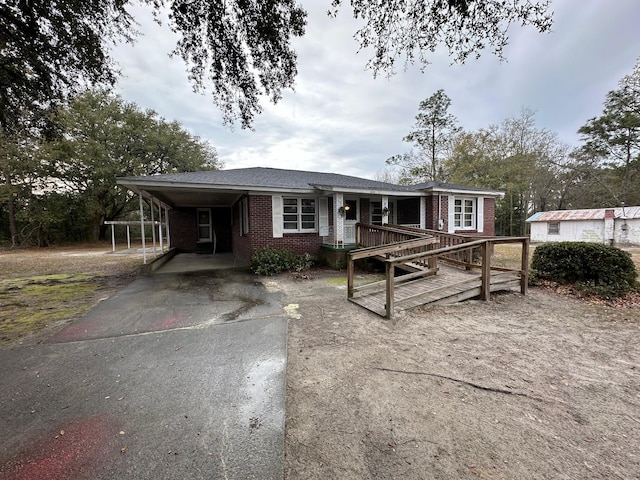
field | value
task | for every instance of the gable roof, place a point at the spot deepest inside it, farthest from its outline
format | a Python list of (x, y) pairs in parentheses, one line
[(584, 214)]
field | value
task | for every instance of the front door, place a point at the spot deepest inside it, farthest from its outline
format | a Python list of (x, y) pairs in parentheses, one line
[(351, 217)]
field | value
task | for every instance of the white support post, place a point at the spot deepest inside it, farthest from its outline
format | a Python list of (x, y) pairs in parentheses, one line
[(144, 243), (338, 219), (153, 227), (166, 217), (128, 237), (423, 213), (385, 208), (113, 238), (160, 226)]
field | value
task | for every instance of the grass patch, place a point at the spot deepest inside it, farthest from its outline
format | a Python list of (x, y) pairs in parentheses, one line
[(29, 304)]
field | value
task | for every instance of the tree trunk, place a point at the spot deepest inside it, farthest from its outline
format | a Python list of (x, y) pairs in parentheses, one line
[(11, 207)]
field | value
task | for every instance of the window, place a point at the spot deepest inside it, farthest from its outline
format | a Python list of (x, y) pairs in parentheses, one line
[(464, 213), (244, 216), (553, 228), (299, 214), (376, 213), (204, 225)]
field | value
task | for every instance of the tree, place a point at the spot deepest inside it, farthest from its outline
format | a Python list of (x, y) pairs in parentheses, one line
[(432, 136), (529, 164), (240, 49), (105, 137), (614, 137)]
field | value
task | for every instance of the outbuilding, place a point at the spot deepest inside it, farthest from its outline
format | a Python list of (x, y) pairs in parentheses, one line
[(611, 226)]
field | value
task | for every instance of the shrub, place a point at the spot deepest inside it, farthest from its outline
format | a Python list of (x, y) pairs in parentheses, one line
[(271, 261), (595, 269)]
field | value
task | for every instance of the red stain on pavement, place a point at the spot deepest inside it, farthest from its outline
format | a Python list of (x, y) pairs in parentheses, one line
[(72, 452), (170, 322)]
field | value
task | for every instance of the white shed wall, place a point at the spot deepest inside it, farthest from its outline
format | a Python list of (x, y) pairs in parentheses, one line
[(588, 231)]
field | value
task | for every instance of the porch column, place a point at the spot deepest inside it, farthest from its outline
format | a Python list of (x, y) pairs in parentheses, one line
[(423, 212), (144, 246), (385, 205), (338, 219)]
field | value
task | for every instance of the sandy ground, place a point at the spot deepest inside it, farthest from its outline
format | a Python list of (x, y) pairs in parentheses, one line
[(534, 387)]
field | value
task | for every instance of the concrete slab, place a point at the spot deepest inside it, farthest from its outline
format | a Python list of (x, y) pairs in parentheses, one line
[(129, 393)]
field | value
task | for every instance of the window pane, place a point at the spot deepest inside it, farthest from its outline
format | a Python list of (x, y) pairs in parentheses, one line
[(203, 217), (288, 209), (203, 232), (290, 218)]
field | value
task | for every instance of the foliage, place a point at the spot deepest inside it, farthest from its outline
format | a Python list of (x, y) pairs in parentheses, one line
[(529, 164), (396, 28), (104, 138), (271, 261), (432, 135), (613, 138), (595, 269), (239, 49), (51, 48)]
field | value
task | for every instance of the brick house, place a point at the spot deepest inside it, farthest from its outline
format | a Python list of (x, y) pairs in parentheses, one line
[(243, 210)]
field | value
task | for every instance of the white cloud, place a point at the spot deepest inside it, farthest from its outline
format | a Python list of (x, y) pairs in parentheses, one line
[(341, 119)]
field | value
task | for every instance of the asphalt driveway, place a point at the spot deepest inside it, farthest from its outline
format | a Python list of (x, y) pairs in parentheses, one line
[(179, 375)]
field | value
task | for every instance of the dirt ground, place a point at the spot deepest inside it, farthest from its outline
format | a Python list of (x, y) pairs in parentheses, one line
[(535, 387)]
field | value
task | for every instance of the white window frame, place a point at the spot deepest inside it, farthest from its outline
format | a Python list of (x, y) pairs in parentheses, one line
[(557, 229), (286, 216), (463, 219), (377, 205), (209, 225)]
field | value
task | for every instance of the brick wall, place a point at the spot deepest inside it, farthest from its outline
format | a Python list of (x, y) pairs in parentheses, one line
[(489, 217), (182, 222), (261, 232)]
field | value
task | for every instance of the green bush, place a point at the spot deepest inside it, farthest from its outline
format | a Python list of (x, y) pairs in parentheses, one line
[(595, 269), (271, 261)]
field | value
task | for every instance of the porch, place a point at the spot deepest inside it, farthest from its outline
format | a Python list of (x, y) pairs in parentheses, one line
[(430, 267)]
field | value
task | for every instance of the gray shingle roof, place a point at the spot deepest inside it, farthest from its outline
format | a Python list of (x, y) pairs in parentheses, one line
[(260, 178), (263, 177)]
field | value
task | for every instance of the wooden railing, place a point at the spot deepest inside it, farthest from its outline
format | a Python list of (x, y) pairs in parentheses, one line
[(418, 251)]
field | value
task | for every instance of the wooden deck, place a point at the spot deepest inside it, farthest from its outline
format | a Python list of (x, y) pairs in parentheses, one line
[(450, 285)]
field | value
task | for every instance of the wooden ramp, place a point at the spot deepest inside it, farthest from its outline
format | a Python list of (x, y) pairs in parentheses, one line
[(450, 285)]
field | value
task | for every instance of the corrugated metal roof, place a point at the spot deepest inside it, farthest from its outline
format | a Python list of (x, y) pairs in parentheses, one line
[(586, 214)]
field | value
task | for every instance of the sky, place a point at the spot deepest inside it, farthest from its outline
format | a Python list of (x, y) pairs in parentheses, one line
[(341, 119)]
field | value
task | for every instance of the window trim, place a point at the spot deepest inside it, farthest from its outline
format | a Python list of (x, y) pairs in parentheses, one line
[(557, 229), (459, 217), (209, 225), (299, 213)]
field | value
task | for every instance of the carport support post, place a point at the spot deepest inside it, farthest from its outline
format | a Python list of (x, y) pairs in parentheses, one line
[(160, 227), (153, 227), (166, 219), (128, 237), (113, 238), (144, 249)]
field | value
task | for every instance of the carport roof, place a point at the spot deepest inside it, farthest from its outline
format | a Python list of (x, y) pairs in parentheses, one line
[(223, 187)]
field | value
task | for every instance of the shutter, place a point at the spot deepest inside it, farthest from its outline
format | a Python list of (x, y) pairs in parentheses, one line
[(323, 217), (276, 205), (451, 217), (480, 214)]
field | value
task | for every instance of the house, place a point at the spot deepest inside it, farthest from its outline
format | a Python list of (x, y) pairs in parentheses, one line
[(612, 226), (243, 210)]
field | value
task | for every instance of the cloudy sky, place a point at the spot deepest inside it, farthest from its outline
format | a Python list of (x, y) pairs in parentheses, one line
[(341, 119)]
